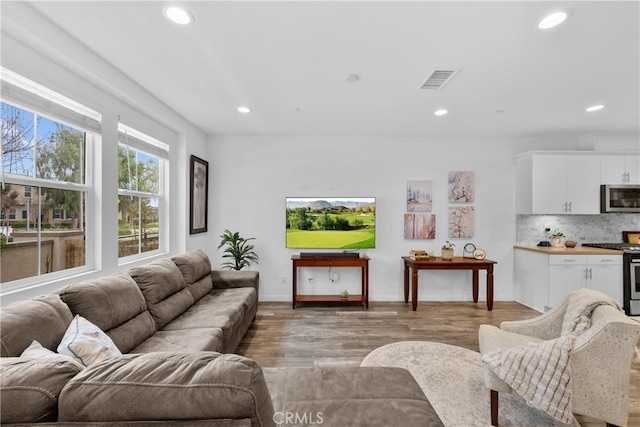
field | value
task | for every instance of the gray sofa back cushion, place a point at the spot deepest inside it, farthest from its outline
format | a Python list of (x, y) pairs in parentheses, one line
[(115, 304), (164, 289), (44, 319), (196, 270)]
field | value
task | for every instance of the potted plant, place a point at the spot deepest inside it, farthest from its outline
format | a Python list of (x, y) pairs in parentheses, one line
[(344, 295), (556, 239), (447, 250), (238, 249)]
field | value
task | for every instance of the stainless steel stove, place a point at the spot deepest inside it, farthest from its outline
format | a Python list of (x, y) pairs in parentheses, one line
[(631, 273), (627, 248)]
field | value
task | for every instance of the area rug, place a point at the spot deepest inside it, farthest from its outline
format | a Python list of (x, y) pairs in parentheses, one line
[(452, 379)]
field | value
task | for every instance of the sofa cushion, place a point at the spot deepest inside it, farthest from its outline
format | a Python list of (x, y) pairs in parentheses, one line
[(29, 388), (231, 310), (206, 339), (164, 289), (114, 304), (86, 342), (37, 351), (196, 270), (192, 386), (350, 396), (44, 319)]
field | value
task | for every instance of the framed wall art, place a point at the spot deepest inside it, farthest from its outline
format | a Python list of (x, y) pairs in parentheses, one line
[(419, 196), (461, 187), (419, 226), (461, 221), (198, 195)]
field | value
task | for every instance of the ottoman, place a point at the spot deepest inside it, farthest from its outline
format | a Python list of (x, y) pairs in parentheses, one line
[(348, 396)]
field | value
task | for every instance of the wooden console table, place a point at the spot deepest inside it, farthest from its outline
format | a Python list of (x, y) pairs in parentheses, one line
[(457, 263), (328, 261)]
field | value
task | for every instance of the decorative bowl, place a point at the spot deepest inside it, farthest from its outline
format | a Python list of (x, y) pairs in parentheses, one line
[(570, 243)]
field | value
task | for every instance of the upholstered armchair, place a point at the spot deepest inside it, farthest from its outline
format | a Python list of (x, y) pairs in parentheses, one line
[(600, 359)]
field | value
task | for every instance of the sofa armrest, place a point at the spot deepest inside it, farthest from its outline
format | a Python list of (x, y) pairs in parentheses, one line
[(601, 360), (168, 386), (225, 279), (547, 326)]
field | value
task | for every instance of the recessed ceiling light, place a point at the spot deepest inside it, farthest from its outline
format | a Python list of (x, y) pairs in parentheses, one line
[(441, 112), (595, 108), (351, 78), (552, 20), (178, 15), (244, 110)]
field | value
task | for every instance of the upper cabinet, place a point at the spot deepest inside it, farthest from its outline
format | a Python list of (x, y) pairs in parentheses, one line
[(557, 183), (619, 169)]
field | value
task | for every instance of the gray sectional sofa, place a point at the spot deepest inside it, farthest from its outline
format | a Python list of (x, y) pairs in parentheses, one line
[(176, 322)]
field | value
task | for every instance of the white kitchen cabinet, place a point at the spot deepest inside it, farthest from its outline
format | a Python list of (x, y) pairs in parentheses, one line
[(557, 183), (620, 169), (544, 277)]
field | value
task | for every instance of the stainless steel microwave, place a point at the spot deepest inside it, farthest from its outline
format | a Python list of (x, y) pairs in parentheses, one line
[(619, 198)]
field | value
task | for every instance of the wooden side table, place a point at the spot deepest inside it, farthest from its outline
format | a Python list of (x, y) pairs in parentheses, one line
[(328, 261), (457, 263)]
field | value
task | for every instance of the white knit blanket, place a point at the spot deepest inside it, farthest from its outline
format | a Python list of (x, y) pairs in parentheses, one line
[(540, 372)]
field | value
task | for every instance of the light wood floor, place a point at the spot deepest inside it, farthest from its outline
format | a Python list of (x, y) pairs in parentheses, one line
[(344, 334)]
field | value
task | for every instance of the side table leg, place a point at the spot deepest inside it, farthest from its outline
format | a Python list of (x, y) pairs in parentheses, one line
[(295, 284), (414, 289), (475, 285), (490, 288), (406, 283)]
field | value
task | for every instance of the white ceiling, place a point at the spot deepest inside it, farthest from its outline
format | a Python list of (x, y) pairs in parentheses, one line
[(277, 57)]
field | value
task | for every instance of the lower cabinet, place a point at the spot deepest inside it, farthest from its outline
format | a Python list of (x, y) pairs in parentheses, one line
[(542, 280)]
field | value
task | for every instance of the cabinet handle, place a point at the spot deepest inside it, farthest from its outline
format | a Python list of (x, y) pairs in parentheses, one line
[(569, 206), (590, 274), (586, 273), (569, 260), (565, 207), (606, 260)]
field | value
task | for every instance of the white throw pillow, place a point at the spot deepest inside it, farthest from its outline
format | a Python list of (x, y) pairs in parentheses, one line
[(37, 351), (86, 342)]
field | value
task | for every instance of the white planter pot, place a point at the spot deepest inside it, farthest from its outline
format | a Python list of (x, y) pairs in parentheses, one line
[(557, 242), (447, 254)]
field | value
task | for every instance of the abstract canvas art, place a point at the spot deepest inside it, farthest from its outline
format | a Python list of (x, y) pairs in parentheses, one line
[(419, 226), (461, 187), (461, 221), (419, 196)]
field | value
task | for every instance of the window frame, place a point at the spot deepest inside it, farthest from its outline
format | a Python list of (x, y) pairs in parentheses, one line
[(37, 100), (131, 139)]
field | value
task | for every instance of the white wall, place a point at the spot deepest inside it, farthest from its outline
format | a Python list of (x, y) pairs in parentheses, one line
[(35, 48), (251, 176)]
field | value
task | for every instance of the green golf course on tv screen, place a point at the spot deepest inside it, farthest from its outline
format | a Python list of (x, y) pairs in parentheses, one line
[(331, 222)]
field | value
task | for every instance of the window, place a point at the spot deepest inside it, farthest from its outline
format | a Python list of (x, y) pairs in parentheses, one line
[(142, 162), (46, 142)]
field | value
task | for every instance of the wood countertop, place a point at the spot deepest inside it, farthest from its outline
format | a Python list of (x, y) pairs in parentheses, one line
[(578, 250)]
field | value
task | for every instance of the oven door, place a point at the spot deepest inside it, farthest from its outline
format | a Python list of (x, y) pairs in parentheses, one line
[(634, 286)]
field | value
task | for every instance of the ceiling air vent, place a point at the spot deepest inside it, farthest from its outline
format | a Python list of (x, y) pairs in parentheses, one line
[(438, 78)]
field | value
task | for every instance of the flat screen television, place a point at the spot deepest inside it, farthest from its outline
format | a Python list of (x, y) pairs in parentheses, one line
[(331, 222)]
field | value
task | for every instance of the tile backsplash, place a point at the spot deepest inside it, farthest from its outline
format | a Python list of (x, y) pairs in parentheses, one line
[(605, 228)]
